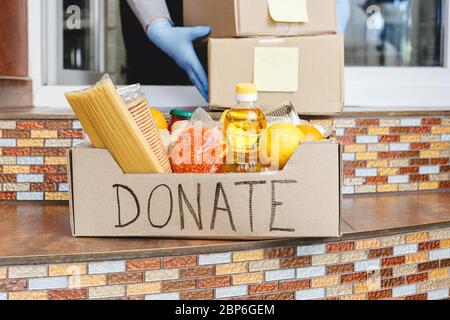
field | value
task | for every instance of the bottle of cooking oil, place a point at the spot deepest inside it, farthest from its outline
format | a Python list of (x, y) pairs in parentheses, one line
[(243, 126)]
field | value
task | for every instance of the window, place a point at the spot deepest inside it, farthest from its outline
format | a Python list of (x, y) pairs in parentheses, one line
[(75, 37), (395, 33), (79, 36), (396, 53)]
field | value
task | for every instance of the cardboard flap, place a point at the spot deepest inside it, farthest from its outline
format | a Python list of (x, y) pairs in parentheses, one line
[(288, 10), (71, 191), (317, 157)]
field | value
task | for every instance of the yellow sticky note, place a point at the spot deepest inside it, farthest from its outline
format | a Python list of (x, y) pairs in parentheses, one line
[(289, 10), (276, 69)]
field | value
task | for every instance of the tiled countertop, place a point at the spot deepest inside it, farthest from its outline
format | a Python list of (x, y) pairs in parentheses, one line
[(64, 113), (40, 233)]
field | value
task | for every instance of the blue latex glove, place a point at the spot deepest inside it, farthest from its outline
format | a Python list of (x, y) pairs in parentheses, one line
[(343, 14), (178, 44)]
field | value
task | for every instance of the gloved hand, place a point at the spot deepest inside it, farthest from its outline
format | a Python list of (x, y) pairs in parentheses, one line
[(343, 14), (178, 44)]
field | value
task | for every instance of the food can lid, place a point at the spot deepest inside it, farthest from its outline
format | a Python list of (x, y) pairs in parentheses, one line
[(181, 113)]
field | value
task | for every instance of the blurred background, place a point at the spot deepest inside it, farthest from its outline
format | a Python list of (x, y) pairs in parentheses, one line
[(396, 53), (394, 33)]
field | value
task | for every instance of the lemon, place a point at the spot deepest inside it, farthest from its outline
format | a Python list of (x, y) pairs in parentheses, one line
[(160, 120), (279, 143), (311, 133)]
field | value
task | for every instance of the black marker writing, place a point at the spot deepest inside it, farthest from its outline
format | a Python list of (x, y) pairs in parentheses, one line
[(162, 226), (220, 190), (251, 185), (182, 198), (275, 204), (119, 210)]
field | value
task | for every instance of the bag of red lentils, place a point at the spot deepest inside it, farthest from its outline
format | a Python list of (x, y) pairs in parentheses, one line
[(199, 146)]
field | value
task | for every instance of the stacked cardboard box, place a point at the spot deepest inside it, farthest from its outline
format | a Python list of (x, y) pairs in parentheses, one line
[(289, 48)]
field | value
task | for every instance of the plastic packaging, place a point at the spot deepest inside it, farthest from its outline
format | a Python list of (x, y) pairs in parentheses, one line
[(199, 145), (139, 109), (283, 113), (110, 125)]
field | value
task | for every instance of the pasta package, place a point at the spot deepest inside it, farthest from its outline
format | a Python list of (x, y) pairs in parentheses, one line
[(109, 124), (139, 109)]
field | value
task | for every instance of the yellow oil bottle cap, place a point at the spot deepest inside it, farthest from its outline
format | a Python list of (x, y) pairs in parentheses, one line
[(246, 88), (246, 92)]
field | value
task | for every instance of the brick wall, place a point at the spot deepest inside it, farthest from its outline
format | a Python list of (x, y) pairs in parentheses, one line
[(385, 154), (411, 266), (33, 158), (394, 154)]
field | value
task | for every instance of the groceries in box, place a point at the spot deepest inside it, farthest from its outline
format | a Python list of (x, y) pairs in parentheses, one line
[(257, 173)]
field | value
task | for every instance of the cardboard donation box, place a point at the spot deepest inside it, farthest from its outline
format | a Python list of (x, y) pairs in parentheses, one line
[(307, 71), (303, 200), (244, 18)]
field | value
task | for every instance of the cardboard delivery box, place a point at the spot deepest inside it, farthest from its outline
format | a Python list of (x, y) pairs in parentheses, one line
[(244, 18), (303, 200), (307, 71)]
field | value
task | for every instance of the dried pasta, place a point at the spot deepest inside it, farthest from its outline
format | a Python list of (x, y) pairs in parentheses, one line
[(109, 124)]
